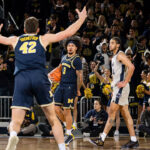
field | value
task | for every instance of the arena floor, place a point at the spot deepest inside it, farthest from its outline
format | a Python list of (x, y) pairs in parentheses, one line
[(38, 143)]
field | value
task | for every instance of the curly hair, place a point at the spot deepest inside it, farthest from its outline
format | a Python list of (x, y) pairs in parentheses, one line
[(75, 40)]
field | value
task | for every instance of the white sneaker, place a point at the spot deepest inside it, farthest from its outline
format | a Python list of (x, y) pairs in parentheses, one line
[(12, 143), (116, 133)]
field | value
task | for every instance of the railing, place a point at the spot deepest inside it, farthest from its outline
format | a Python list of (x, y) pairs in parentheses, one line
[(5, 111), (87, 104)]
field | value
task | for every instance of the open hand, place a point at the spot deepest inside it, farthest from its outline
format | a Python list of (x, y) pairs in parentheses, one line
[(82, 14)]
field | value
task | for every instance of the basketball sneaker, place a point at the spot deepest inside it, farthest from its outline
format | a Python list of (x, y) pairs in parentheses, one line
[(97, 142), (130, 144), (69, 139), (12, 143)]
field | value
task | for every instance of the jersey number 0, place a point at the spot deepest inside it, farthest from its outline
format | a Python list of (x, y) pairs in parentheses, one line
[(28, 47)]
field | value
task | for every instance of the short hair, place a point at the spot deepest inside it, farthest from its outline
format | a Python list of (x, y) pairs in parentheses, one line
[(117, 39), (141, 38), (31, 25), (74, 39)]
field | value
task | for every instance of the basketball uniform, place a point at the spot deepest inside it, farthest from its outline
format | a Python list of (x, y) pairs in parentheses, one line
[(30, 73), (120, 95), (67, 89)]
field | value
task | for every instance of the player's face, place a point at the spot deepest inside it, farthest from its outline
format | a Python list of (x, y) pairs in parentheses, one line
[(71, 49), (113, 45)]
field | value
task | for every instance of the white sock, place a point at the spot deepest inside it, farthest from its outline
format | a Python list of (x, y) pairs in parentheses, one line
[(68, 132), (62, 146), (133, 138), (13, 133), (103, 136), (64, 124), (75, 124)]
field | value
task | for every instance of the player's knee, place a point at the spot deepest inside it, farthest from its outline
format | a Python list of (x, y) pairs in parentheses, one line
[(57, 110), (111, 112)]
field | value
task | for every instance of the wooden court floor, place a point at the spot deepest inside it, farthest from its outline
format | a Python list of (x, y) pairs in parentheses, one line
[(38, 143)]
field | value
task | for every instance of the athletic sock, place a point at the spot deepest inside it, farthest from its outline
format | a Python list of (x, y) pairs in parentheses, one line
[(68, 132), (75, 124), (103, 136), (133, 138), (62, 146), (13, 133)]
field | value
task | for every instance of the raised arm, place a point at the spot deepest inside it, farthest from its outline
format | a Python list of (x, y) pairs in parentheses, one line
[(123, 58), (7, 40), (101, 78), (71, 30)]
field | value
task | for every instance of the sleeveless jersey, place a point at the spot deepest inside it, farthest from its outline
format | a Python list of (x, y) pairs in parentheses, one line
[(29, 53), (69, 67), (118, 70)]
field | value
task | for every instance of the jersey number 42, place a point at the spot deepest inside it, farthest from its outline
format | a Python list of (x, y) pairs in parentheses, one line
[(28, 47)]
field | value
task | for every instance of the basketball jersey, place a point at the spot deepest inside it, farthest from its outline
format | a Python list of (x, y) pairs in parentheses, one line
[(69, 67), (118, 70), (29, 53)]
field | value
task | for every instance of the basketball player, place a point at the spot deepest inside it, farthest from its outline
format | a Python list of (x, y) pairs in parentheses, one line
[(31, 78), (122, 70), (69, 87)]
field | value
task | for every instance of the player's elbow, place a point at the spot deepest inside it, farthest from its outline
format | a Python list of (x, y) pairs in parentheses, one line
[(132, 67)]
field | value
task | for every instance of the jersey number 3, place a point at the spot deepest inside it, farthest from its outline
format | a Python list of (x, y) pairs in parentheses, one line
[(28, 47)]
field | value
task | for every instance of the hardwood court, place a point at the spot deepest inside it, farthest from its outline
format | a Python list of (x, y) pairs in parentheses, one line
[(38, 143)]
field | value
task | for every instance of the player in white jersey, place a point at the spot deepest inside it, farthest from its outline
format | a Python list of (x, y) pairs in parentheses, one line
[(122, 71)]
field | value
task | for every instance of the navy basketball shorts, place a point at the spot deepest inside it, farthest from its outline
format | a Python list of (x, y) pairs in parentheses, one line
[(30, 84), (64, 95)]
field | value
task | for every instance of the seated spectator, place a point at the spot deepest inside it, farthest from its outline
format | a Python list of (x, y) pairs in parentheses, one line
[(29, 125), (144, 127), (45, 128), (95, 119)]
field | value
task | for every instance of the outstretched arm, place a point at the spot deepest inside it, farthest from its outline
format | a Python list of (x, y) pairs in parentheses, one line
[(71, 30), (7, 40)]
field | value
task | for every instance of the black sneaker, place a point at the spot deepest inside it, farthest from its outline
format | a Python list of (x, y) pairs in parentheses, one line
[(68, 139), (97, 142), (131, 144)]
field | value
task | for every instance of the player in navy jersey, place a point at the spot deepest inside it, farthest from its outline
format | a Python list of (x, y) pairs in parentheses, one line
[(31, 78), (70, 84)]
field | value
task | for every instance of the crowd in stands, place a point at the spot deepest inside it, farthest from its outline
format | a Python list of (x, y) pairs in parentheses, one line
[(125, 19)]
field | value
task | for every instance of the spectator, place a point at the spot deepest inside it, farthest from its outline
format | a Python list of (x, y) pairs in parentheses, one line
[(45, 128), (87, 50), (95, 119), (144, 127), (93, 82), (90, 29), (140, 98), (4, 90), (131, 39), (29, 125), (103, 49)]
